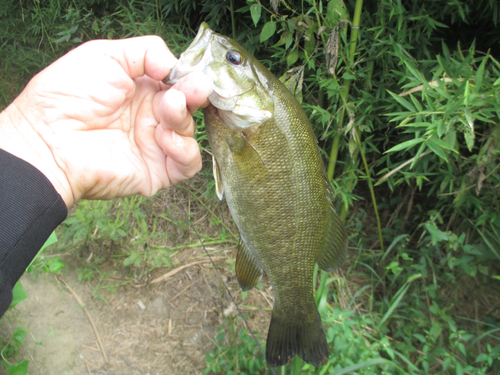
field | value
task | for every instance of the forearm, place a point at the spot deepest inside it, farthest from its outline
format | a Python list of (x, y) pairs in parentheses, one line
[(30, 209)]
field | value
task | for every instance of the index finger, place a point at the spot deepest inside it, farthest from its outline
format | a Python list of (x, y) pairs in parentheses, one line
[(145, 55)]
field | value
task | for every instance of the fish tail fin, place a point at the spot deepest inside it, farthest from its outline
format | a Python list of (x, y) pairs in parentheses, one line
[(286, 339)]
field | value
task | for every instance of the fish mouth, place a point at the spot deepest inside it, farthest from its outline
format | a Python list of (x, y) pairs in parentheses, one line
[(202, 38), (193, 58)]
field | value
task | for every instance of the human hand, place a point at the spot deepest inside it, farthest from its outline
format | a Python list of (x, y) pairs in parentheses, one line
[(99, 123)]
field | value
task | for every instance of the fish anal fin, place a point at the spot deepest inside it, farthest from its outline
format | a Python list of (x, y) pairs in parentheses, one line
[(248, 270), (287, 338), (334, 251), (219, 189)]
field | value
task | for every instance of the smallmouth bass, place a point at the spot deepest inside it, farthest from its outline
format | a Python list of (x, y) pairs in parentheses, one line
[(267, 164)]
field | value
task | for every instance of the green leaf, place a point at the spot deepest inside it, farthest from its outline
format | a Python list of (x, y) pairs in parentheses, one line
[(353, 368), (336, 11), (479, 74), (482, 357), (467, 93), (394, 303), (18, 294), (436, 234), (451, 139), (292, 57), (440, 128), (52, 239), (414, 277), (267, 31), (436, 149), (442, 144), (406, 145), (20, 368), (405, 103), (256, 11), (55, 265), (416, 103), (469, 137), (19, 336), (446, 51), (413, 70), (420, 150), (420, 337)]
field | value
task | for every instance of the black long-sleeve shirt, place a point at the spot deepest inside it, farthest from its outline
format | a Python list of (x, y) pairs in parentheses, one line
[(30, 209)]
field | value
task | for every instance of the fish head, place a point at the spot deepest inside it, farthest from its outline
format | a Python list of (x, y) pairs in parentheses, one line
[(242, 85)]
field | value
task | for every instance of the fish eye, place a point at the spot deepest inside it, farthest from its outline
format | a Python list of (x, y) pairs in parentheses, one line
[(233, 57)]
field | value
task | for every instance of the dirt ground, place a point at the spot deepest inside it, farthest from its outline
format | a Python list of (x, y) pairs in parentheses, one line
[(160, 328)]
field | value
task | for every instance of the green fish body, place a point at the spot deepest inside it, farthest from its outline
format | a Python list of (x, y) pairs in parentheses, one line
[(268, 166)]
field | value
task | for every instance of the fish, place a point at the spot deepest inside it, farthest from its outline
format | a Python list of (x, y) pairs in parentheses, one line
[(267, 164)]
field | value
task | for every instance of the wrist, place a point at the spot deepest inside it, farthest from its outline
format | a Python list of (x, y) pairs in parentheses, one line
[(19, 137)]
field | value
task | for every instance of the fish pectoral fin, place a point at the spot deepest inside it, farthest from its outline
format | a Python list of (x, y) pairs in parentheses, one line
[(248, 270), (334, 251), (257, 152), (219, 189)]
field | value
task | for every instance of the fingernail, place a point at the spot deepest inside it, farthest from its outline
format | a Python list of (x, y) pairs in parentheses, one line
[(177, 100), (177, 139)]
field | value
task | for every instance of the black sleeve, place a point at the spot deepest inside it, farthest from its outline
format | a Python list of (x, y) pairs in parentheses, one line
[(30, 209)]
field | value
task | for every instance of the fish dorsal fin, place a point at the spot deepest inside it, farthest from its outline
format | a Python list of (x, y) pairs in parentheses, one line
[(334, 251), (219, 189), (248, 271)]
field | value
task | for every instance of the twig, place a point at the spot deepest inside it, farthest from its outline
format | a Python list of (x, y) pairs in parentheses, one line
[(173, 272), (132, 367), (401, 166), (79, 301), (265, 297), (90, 348), (471, 186), (183, 290), (432, 84)]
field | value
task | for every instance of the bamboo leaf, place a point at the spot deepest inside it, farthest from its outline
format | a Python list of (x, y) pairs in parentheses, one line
[(443, 144), (416, 103), (436, 149), (406, 145), (413, 70), (446, 51), (405, 103), (467, 93), (421, 149)]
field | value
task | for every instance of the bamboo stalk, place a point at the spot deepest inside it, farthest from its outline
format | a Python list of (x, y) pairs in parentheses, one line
[(233, 24), (346, 84), (336, 140)]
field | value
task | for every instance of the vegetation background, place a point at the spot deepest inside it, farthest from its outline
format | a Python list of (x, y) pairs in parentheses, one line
[(404, 98)]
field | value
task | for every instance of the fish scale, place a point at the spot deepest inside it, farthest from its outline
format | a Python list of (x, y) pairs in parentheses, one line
[(267, 163)]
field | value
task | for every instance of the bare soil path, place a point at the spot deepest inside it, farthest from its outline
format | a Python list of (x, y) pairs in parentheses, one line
[(161, 328)]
